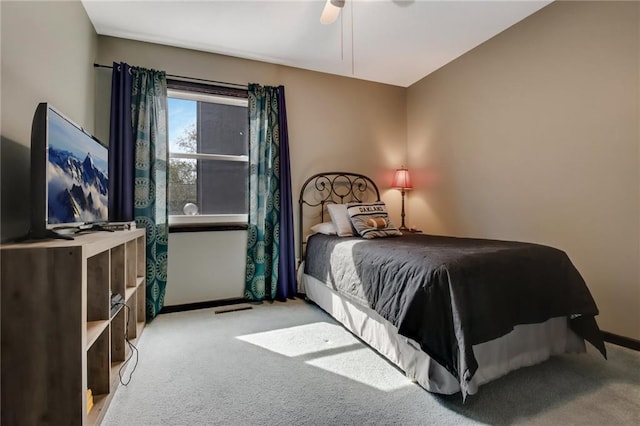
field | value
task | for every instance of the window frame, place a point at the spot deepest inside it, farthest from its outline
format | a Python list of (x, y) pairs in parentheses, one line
[(221, 95)]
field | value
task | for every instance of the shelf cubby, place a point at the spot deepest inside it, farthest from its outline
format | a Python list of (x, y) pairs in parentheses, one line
[(118, 270), (118, 344), (98, 274)]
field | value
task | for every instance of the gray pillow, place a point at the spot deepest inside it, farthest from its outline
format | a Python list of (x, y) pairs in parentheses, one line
[(371, 220)]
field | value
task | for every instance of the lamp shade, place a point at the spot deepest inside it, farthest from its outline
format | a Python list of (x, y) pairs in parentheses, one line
[(401, 179)]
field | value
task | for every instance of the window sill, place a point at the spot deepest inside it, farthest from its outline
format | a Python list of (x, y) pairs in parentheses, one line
[(208, 222), (206, 227)]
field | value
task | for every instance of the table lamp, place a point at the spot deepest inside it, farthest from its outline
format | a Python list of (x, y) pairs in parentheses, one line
[(402, 181)]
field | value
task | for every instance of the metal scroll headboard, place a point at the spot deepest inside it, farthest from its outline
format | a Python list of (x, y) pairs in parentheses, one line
[(333, 188)]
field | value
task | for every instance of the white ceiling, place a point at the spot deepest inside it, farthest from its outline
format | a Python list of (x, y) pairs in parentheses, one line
[(396, 42)]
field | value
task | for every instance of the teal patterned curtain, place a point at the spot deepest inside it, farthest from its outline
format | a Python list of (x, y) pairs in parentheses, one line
[(264, 194), (149, 120)]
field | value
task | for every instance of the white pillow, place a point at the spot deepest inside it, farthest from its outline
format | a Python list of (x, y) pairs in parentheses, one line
[(340, 218), (327, 228)]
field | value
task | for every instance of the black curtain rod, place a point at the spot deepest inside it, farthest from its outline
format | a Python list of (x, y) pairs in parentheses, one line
[(243, 86)]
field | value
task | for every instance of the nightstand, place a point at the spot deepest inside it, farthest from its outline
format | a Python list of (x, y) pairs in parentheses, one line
[(412, 231)]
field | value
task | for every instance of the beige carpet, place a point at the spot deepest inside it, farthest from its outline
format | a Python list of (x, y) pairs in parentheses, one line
[(291, 364)]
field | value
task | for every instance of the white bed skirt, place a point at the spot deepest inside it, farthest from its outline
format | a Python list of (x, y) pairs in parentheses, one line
[(526, 345)]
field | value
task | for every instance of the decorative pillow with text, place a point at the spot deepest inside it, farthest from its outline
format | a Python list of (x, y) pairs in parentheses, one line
[(371, 220)]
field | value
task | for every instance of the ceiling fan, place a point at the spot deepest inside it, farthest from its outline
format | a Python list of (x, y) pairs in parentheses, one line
[(331, 11)]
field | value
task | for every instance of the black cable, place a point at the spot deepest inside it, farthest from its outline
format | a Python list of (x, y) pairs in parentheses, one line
[(132, 348)]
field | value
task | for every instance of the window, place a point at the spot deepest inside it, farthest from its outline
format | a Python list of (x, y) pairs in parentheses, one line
[(208, 154)]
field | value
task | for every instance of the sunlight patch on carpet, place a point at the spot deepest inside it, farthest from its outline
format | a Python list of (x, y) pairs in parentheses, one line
[(302, 339), (336, 350), (350, 365)]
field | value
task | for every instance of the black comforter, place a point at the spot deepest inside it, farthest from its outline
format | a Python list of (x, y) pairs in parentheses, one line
[(449, 294)]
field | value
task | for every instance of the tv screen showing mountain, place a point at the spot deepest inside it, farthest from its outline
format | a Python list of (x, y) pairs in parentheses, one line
[(77, 175)]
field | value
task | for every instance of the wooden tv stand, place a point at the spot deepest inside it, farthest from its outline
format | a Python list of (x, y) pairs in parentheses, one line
[(58, 335)]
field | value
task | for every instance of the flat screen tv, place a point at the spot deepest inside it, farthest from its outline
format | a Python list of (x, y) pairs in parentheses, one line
[(69, 172)]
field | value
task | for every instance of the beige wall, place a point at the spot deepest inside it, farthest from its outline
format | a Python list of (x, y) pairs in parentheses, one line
[(335, 123), (47, 55), (205, 266), (534, 136)]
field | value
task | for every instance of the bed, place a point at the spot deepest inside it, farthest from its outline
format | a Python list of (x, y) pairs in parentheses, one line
[(452, 313)]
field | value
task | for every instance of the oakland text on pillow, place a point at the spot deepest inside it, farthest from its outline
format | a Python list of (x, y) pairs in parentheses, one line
[(371, 220)]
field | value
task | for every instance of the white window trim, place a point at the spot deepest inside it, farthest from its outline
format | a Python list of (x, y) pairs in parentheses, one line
[(198, 156), (208, 219), (206, 97)]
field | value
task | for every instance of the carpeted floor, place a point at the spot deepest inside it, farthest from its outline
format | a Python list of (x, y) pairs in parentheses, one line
[(291, 364)]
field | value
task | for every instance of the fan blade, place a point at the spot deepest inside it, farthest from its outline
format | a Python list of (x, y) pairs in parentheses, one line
[(331, 11)]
